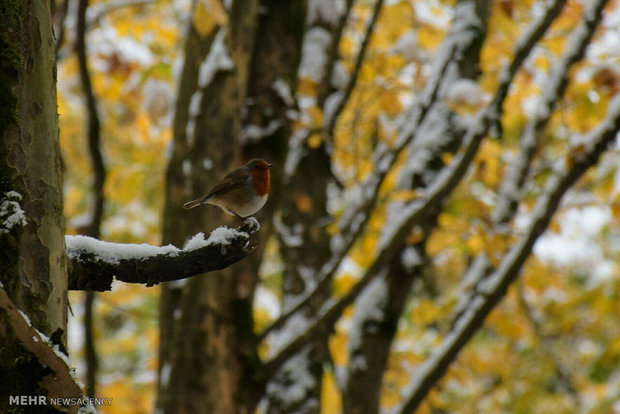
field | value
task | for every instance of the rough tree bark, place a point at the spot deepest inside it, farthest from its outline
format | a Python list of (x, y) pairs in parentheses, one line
[(31, 221), (203, 357)]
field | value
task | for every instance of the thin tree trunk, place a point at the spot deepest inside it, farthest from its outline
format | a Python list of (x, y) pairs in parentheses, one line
[(99, 172)]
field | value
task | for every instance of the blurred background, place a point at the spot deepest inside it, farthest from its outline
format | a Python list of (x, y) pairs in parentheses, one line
[(325, 88)]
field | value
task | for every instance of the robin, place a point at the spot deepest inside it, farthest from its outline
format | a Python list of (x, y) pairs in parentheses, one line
[(241, 192)]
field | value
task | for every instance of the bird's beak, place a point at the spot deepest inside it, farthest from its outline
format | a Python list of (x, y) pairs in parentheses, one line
[(269, 165)]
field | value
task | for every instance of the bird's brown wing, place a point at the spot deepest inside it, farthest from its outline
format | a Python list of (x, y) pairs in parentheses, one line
[(230, 182), (233, 181)]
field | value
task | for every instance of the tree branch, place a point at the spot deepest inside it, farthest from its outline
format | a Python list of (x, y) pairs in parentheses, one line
[(416, 210), (346, 94), (354, 223), (553, 90), (514, 178), (94, 264), (58, 382), (494, 288)]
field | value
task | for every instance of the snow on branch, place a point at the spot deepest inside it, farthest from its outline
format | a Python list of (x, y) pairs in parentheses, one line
[(517, 172), (353, 221), (58, 382), (343, 97), (94, 264), (11, 213), (554, 88), (523, 47), (582, 156)]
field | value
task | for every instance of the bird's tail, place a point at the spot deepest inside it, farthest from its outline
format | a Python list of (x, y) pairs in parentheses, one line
[(193, 203)]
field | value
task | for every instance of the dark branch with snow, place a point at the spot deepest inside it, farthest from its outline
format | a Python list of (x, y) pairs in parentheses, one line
[(56, 378), (94, 264)]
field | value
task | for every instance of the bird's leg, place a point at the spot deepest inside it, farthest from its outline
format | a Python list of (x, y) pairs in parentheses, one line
[(252, 223)]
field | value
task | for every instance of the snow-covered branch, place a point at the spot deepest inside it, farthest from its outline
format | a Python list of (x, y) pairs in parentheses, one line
[(343, 96), (354, 221), (494, 287), (523, 47), (58, 380), (94, 264), (417, 210), (553, 90), (514, 179)]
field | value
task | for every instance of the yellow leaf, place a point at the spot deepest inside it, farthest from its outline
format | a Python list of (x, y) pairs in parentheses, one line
[(208, 14)]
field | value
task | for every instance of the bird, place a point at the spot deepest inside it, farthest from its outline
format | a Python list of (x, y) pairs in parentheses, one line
[(242, 192)]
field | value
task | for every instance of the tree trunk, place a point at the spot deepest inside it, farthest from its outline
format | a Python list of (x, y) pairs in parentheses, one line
[(375, 323), (206, 322), (31, 217)]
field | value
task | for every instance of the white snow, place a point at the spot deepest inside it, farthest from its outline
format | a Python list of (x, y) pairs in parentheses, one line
[(11, 213), (165, 374), (105, 41), (222, 236), (369, 307), (432, 13), (576, 245), (325, 11), (331, 103), (314, 53), (253, 133), (217, 60), (297, 380), (340, 76), (465, 91), (113, 253), (291, 236), (266, 300), (407, 46), (283, 90), (296, 151), (410, 258)]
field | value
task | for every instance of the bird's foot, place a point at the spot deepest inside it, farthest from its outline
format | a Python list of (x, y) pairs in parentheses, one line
[(252, 223)]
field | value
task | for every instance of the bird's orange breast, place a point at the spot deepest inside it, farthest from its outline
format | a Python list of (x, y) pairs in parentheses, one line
[(261, 181)]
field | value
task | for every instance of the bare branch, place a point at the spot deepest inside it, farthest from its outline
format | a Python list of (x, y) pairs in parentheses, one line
[(494, 288), (417, 210), (58, 382), (330, 123), (515, 177), (355, 222), (94, 125), (95, 264), (553, 90), (524, 45), (60, 17)]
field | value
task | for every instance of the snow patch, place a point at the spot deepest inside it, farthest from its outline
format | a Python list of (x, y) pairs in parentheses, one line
[(217, 60), (326, 11), (222, 236), (11, 213), (113, 253), (314, 53)]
